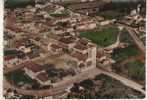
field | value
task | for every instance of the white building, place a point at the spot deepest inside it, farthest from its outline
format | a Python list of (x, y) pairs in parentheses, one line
[(36, 72), (81, 51)]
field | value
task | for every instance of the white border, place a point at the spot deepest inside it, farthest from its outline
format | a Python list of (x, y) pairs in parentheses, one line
[(1, 53), (1, 48)]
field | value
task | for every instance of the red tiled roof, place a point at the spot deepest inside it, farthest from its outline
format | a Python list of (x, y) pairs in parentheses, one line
[(33, 66), (80, 46), (83, 41), (55, 46), (18, 44), (91, 45), (67, 40), (99, 18), (43, 77), (107, 49), (81, 65), (64, 40), (99, 55), (85, 23), (62, 45), (89, 63), (79, 56), (7, 58)]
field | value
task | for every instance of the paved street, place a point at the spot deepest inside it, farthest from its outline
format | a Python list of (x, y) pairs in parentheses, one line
[(125, 81), (61, 86), (137, 41)]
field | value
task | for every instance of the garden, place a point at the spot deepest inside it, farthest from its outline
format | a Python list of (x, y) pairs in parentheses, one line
[(61, 14), (122, 54), (19, 76), (105, 88), (110, 14), (136, 70), (104, 37)]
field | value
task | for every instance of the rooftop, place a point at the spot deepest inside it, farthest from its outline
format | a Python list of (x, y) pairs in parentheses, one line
[(43, 77), (55, 46), (80, 46), (67, 40), (33, 66), (79, 56), (7, 58), (83, 41)]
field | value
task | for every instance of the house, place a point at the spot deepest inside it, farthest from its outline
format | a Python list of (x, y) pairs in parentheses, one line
[(67, 42), (142, 29), (59, 31), (54, 48), (108, 61), (36, 72), (99, 18), (100, 57), (24, 49), (11, 60), (80, 50), (79, 56), (32, 69), (43, 79), (106, 22), (86, 25), (6, 42), (61, 44), (84, 53), (14, 52), (13, 57)]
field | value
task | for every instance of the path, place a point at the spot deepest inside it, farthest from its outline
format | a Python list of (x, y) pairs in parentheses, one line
[(91, 73), (135, 38)]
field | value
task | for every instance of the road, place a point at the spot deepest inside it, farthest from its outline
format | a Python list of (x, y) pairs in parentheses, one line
[(59, 87), (125, 81), (135, 38), (91, 73), (137, 41)]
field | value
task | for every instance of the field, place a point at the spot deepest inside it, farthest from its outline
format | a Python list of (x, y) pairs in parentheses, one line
[(19, 76), (136, 70), (104, 37), (125, 37), (110, 14), (58, 15), (18, 3), (122, 54), (108, 88), (62, 14)]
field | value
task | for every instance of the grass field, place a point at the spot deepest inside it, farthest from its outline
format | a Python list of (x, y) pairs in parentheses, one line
[(125, 37), (121, 54), (19, 76), (110, 14), (64, 14), (105, 37), (136, 70), (18, 3)]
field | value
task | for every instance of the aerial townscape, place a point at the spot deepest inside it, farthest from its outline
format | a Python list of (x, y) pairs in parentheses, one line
[(74, 49)]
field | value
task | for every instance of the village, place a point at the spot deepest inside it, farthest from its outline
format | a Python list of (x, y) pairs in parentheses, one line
[(47, 46)]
